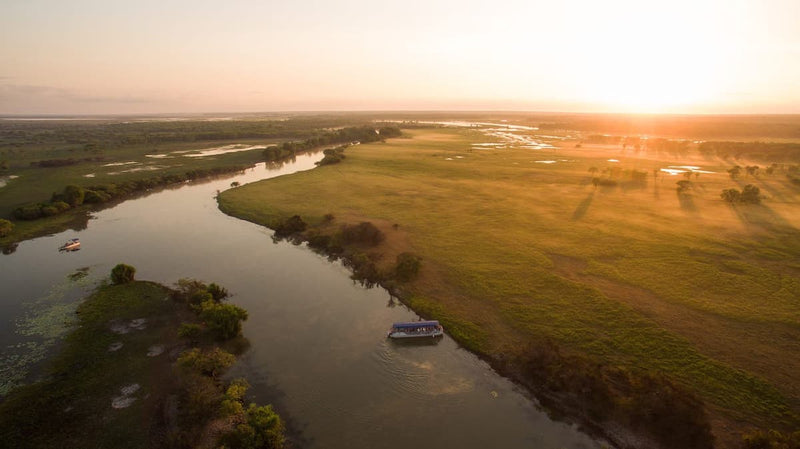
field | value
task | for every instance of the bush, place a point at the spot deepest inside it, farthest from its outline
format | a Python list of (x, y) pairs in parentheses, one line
[(217, 292), (292, 225), (751, 194), (364, 233), (211, 363), (28, 212), (96, 197), (407, 266), (122, 274), (190, 331), (225, 320), (74, 195), (263, 428), (5, 227)]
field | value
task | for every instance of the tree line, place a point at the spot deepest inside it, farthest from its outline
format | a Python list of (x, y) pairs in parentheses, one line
[(74, 196), (362, 134)]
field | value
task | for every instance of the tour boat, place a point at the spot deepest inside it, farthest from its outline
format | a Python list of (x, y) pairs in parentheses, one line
[(71, 245), (415, 329)]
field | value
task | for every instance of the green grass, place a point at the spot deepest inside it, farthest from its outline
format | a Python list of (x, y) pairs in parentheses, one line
[(73, 407), (691, 288)]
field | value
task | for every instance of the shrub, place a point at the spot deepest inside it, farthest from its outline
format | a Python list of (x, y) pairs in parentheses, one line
[(28, 212), (122, 274), (74, 195), (292, 225), (225, 320), (751, 194), (211, 363), (217, 292), (263, 428), (49, 211), (190, 331), (407, 266), (731, 195), (5, 227), (96, 197), (364, 233)]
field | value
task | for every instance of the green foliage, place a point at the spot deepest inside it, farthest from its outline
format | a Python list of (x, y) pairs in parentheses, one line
[(73, 195), (122, 274), (646, 401), (333, 155), (364, 233), (749, 195), (5, 227), (262, 429), (217, 292), (211, 363), (772, 439), (731, 195), (190, 331), (225, 320), (290, 226), (407, 266), (364, 269)]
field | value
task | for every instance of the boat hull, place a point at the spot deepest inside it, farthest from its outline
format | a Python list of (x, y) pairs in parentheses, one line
[(399, 335)]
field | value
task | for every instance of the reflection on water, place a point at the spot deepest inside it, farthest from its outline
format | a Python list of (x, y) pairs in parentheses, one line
[(319, 348)]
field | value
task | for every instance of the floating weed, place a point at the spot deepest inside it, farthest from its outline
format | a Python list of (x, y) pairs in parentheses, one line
[(44, 322)]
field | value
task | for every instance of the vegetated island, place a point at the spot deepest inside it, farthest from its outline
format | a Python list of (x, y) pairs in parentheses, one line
[(143, 368), (634, 304)]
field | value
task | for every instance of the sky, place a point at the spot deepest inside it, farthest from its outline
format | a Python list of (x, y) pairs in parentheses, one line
[(172, 56)]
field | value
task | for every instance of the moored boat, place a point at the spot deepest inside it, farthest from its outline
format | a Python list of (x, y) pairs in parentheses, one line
[(416, 329), (71, 245)]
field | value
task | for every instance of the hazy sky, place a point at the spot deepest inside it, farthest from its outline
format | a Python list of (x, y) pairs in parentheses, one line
[(79, 56)]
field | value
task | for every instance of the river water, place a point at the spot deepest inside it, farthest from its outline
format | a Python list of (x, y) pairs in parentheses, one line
[(318, 347)]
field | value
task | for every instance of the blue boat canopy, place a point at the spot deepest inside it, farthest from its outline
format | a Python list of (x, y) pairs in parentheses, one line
[(415, 324)]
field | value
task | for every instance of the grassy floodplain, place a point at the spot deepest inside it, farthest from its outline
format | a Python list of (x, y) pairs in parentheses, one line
[(41, 157), (632, 273)]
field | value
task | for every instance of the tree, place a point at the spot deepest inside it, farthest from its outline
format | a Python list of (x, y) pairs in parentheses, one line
[(74, 195), (751, 194), (592, 170), (263, 428), (731, 195), (5, 227), (735, 172), (210, 363), (684, 187), (407, 266), (217, 292), (225, 320), (122, 274)]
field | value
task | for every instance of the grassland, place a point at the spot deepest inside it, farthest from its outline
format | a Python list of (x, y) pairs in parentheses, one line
[(629, 272), (40, 158)]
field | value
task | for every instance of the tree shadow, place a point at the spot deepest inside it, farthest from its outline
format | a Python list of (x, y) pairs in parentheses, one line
[(583, 207), (761, 216), (687, 203)]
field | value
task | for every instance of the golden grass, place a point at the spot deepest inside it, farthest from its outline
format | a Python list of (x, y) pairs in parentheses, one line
[(633, 274)]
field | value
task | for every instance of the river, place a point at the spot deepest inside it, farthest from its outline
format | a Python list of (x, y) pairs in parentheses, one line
[(318, 347)]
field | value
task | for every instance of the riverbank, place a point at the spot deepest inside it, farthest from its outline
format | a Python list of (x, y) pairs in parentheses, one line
[(515, 252), (141, 369)]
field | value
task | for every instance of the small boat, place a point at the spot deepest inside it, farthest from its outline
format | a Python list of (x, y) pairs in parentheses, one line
[(416, 329), (71, 245)]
